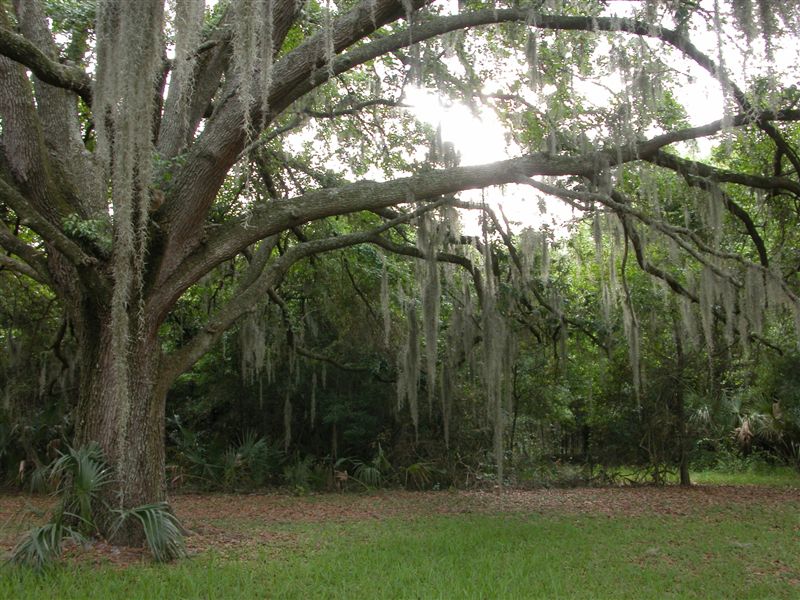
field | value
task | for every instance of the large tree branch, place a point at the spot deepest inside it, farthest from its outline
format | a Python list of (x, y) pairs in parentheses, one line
[(276, 216), (699, 169), (439, 25), (305, 68), (57, 111), (32, 258), (622, 205), (714, 127), (257, 287), (25, 52), (26, 160), (366, 195), (223, 139), (227, 240), (11, 263), (49, 232), (616, 202), (683, 44), (209, 69), (280, 215)]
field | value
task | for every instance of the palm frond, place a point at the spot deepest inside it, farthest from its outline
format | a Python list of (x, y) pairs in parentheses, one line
[(41, 546), (419, 474), (80, 474), (368, 475), (162, 530)]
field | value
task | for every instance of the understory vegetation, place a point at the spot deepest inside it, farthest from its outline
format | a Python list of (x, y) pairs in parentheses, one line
[(79, 479), (313, 422)]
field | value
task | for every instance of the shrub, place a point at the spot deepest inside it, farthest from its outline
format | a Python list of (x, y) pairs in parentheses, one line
[(79, 476)]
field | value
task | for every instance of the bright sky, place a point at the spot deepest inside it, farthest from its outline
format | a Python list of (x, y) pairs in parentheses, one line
[(480, 139)]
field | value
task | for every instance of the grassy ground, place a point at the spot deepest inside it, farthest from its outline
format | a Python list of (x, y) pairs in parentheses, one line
[(759, 474), (705, 542), (772, 476)]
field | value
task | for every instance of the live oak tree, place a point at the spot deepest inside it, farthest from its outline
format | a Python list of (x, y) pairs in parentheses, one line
[(126, 125)]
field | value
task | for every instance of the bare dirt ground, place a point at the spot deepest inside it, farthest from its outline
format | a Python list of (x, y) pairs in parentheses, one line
[(237, 521)]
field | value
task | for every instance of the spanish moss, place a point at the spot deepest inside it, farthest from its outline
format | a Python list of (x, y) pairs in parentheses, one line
[(129, 42), (429, 238), (253, 57)]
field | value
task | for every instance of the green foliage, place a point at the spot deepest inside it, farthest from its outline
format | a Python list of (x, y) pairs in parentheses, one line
[(41, 547), (249, 463), (96, 232), (257, 458), (729, 462), (7, 434), (163, 532), (571, 401), (370, 474), (72, 20), (419, 475), (35, 416), (68, 15), (761, 475), (80, 476), (299, 475)]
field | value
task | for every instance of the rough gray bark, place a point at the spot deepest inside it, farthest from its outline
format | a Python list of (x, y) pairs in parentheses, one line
[(137, 456)]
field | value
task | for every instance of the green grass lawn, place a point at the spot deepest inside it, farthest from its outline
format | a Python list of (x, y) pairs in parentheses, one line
[(761, 475), (741, 550), (772, 476)]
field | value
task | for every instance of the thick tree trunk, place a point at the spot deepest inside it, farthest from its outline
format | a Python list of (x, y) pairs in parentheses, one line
[(132, 436), (680, 405), (683, 455)]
